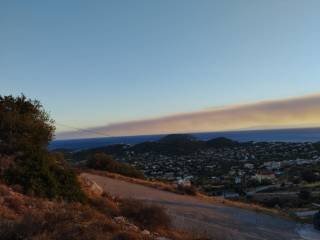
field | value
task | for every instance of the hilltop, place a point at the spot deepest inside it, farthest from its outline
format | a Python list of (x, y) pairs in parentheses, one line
[(172, 144), (43, 197)]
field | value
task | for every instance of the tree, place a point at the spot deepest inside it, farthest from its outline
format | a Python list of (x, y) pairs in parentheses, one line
[(102, 161), (304, 194), (25, 131), (308, 175), (24, 125)]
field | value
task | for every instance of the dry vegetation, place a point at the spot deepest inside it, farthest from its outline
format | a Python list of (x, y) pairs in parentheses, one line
[(143, 215), (102, 217)]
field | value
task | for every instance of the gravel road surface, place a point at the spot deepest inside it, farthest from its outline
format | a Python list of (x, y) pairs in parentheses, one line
[(217, 221)]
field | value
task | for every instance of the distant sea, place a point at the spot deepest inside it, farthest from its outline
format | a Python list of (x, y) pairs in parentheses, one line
[(277, 135)]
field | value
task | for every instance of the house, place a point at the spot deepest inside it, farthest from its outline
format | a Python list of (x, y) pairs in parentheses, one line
[(272, 165), (264, 176), (248, 165), (231, 195), (237, 180), (184, 183)]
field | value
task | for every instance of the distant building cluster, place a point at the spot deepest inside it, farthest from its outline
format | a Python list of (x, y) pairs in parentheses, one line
[(219, 171)]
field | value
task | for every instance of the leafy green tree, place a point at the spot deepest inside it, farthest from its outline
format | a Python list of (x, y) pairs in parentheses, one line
[(25, 131), (102, 161), (24, 125)]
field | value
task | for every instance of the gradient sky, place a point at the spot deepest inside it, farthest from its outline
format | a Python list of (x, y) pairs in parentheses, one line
[(96, 63)]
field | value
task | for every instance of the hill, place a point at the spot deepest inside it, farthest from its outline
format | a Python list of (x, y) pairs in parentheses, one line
[(43, 198), (173, 144), (221, 142)]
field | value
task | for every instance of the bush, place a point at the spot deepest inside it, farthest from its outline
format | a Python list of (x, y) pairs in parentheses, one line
[(63, 221), (105, 206), (189, 190), (24, 125), (25, 131), (125, 236), (304, 194), (42, 176), (145, 215), (308, 175), (102, 161)]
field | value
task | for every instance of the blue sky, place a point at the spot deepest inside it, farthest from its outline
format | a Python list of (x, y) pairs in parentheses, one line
[(93, 63)]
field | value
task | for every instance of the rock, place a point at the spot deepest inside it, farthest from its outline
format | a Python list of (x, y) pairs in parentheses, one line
[(93, 187), (120, 219), (145, 232), (125, 224), (132, 227)]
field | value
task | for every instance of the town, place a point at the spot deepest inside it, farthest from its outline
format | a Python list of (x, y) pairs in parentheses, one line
[(284, 175), (244, 165)]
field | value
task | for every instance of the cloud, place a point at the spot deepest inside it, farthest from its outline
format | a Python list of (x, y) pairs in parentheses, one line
[(293, 112)]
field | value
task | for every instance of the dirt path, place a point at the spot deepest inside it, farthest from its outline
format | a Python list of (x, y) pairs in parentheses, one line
[(217, 221)]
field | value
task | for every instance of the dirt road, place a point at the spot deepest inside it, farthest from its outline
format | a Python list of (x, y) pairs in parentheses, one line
[(217, 221)]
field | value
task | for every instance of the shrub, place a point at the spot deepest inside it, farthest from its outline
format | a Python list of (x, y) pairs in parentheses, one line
[(304, 194), (308, 175), (125, 236), (63, 221), (105, 206), (25, 131), (24, 125), (42, 176), (145, 215), (102, 161), (189, 190)]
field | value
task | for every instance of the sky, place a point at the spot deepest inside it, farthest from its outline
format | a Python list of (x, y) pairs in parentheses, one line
[(109, 65)]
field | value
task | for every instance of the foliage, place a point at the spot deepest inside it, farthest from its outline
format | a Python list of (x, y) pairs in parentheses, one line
[(126, 236), (25, 131), (144, 215), (102, 161), (304, 194), (222, 142), (189, 190), (63, 221), (42, 175), (24, 125), (316, 145), (308, 175)]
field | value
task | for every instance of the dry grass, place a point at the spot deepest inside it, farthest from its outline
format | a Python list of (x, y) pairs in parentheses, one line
[(148, 216), (105, 205), (127, 236), (64, 221), (25, 217)]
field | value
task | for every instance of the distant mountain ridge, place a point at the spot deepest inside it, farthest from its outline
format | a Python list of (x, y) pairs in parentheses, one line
[(281, 135), (172, 144)]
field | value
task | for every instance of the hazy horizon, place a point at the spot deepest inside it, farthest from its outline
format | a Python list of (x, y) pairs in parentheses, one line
[(299, 112)]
